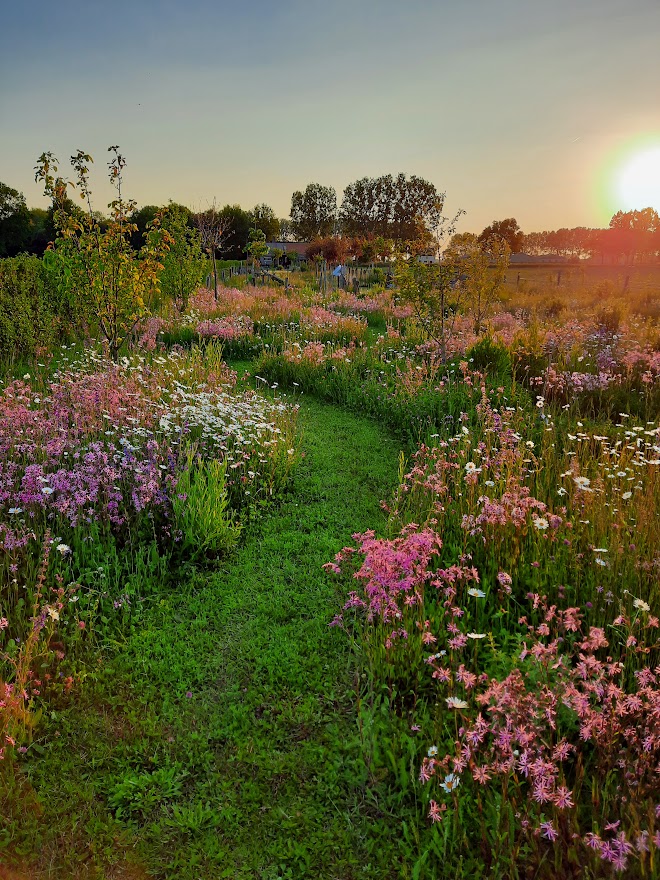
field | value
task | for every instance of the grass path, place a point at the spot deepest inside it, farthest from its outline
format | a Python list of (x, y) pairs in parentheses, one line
[(231, 748)]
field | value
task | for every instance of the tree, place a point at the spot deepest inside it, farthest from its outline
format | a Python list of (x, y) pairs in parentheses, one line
[(286, 232), (332, 248), (398, 208), (14, 222), (534, 243), (183, 264), (482, 267), (141, 218), (507, 230), (460, 243), (263, 217), (633, 233), (38, 235), (213, 228), (313, 212), (237, 223), (96, 265), (427, 287), (257, 247), (369, 248)]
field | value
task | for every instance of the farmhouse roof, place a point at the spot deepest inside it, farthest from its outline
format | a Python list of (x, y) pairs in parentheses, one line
[(289, 247), (540, 258)]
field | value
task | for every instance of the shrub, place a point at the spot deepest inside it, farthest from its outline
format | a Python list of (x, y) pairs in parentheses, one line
[(31, 317)]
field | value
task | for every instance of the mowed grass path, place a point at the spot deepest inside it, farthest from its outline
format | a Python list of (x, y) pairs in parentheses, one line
[(229, 743)]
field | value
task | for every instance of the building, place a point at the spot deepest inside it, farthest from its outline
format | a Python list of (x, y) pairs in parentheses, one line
[(289, 249)]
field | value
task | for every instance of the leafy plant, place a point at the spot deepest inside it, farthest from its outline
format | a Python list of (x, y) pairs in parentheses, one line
[(137, 795), (183, 264), (201, 509), (112, 285)]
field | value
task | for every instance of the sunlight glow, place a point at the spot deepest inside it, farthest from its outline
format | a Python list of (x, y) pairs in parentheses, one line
[(639, 181)]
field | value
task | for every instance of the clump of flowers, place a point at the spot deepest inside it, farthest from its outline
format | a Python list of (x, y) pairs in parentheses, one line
[(102, 447)]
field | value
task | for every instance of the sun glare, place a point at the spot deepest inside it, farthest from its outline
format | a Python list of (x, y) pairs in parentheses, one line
[(639, 181)]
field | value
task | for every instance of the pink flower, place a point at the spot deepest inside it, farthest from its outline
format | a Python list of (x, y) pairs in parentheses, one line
[(435, 811), (548, 831), (562, 798), (480, 775)]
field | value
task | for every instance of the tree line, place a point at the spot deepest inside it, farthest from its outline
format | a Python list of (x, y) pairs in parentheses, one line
[(30, 230), (632, 237), (376, 217)]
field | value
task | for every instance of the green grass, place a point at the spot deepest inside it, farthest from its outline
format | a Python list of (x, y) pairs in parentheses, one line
[(222, 739)]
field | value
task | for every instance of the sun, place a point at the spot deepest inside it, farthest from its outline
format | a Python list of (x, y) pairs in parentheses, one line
[(638, 182)]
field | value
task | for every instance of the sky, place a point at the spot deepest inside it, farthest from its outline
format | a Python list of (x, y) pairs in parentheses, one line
[(516, 108)]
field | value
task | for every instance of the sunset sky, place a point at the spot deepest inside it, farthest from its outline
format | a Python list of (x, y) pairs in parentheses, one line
[(514, 108)]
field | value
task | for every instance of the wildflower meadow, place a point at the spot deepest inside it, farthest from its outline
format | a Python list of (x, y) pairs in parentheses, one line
[(281, 565)]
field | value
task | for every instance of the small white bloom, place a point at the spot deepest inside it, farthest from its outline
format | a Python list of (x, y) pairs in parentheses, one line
[(626, 495), (540, 522), (432, 752), (451, 782), (63, 549), (476, 635), (478, 594), (642, 605)]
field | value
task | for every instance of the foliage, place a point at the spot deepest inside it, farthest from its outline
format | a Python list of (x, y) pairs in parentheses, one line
[(257, 247), (493, 711), (430, 290), (506, 230), (237, 224), (141, 219), (333, 249), (231, 695), (14, 222), (32, 316), (214, 228), (398, 208), (183, 265), (114, 286), (313, 212), (201, 510), (482, 265), (263, 218), (634, 233)]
